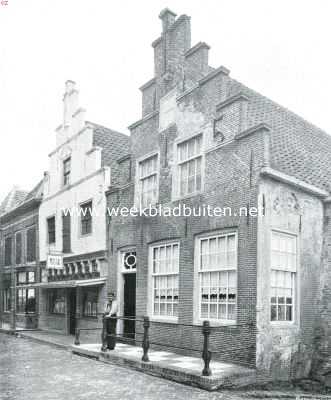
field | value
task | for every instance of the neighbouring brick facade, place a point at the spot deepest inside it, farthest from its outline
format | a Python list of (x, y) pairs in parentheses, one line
[(255, 153), (19, 260)]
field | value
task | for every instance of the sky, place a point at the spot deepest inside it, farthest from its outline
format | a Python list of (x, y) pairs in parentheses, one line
[(280, 48)]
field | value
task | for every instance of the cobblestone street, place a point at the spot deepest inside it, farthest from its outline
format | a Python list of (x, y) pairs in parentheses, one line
[(34, 371)]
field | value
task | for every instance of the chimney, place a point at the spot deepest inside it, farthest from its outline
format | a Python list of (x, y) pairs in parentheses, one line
[(168, 18), (70, 102)]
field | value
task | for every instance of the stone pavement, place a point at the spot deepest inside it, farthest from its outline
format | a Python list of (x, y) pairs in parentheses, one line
[(30, 371), (172, 366)]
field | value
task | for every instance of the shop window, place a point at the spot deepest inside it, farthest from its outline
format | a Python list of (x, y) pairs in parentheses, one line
[(56, 301), (164, 274), (90, 303), (6, 300), (26, 300)]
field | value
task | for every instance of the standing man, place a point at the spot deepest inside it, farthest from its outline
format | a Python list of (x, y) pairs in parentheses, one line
[(110, 320)]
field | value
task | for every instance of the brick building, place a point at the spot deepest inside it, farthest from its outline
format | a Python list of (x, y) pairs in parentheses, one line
[(72, 219), (19, 258), (259, 271), (206, 139)]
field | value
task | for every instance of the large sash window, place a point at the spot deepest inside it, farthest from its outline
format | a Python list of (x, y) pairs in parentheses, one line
[(283, 276), (217, 277), (165, 269)]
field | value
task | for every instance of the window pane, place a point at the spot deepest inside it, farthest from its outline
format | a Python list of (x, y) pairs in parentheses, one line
[(165, 279), (18, 248), (218, 287), (86, 218)]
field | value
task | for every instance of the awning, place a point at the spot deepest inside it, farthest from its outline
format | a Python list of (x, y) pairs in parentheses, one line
[(70, 284)]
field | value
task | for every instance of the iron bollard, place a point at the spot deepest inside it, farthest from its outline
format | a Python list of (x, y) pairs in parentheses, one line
[(206, 354), (77, 336), (104, 335), (146, 340)]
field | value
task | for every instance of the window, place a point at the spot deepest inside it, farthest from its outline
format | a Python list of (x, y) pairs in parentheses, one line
[(66, 171), (189, 155), (66, 233), (130, 261), (51, 230), (56, 301), (26, 277), (90, 303), (6, 300), (148, 184), (8, 251), (165, 268), (217, 277), (283, 276), (86, 218), (18, 248), (31, 244), (26, 300)]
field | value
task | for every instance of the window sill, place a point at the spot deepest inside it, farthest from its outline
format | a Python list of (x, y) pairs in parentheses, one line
[(166, 320), (187, 196), (84, 235), (214, 322), (284, 325)]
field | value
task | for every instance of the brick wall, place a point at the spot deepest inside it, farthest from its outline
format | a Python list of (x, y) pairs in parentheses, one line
[(18, 221)]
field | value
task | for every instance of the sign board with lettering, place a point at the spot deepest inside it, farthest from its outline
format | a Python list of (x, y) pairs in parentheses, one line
[(55, 261)]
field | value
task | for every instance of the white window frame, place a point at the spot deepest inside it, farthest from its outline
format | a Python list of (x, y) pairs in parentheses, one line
[(197, 272), (66, 174), (53, 244), (151, 275), (80, 226), (139, 179), (294, 280), (176, 195)]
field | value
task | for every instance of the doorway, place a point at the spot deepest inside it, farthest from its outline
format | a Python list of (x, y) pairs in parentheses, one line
[(72, 311), (129, 304)]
